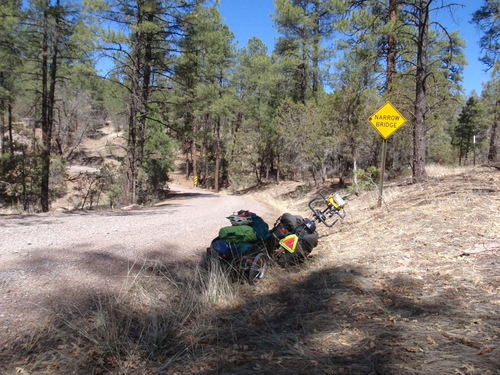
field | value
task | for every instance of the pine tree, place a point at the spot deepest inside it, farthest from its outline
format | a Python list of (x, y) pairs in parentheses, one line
[(304, 25), (49, 25), (422, 11), (470, 128), (9, 65), (487, 20), (153, 27), (422, 65), (355, 98), (491, 101), (205, 91), (257, 85)]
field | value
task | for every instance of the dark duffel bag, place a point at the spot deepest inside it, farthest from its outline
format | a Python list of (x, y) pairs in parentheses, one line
[(286, 225), (307, 239)]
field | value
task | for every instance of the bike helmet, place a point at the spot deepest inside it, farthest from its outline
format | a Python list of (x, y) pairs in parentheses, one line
[(241, 218)]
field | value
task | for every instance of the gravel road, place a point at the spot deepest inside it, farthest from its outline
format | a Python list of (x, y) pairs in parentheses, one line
[(47, 260)]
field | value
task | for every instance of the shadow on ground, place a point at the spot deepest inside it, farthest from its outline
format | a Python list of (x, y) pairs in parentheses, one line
[(332, 321)]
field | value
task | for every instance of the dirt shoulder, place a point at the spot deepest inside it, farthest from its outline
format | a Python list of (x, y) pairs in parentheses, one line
[(416, 285)]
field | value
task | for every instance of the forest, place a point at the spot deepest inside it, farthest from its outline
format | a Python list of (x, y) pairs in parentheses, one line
[(176, 84)]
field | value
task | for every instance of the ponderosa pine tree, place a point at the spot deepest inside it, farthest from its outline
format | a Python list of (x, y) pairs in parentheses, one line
[(304, 25), (204, 72), (49, 25), (153, 28), (184, 97), (9, 66), (216, 92), (350, 105), (487, 19), (470, 128), (491, 102), (418, 13), (410, 54), (256, 80)]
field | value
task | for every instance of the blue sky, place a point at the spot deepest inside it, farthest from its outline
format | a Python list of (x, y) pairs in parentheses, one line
[(248, 18)]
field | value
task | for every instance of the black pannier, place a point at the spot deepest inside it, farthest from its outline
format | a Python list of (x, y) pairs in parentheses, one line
[(289, 224)]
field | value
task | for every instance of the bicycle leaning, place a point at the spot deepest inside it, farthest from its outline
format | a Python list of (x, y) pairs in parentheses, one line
[(244, 249)]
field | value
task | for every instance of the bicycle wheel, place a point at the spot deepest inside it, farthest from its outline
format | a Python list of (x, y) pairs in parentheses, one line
[(258, 268)]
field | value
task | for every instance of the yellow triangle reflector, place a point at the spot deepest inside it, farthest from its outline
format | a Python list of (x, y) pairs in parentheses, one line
[(290, 243)]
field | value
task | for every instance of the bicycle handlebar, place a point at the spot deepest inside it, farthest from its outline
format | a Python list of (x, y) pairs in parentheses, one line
[(330, 210)]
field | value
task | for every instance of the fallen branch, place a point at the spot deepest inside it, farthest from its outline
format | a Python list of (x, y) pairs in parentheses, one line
[(479, 248)]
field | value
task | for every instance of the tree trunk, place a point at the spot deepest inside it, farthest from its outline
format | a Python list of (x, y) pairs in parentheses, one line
[(194, 155), (355, 168), (492, 151), (278, 169), (9, 127), (467, 147), (187, 167), (217, 157), (316, 50), (134, 112), (23, 182), (132, 140), (419, 144), (391, 46), (303, 83), (144, 98), (189, 124), (2, 120), (460, 153), (49, 79), (9, 122), (46, 128)]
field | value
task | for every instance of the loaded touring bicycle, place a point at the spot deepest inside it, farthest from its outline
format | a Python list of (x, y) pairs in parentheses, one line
[(246, 247)]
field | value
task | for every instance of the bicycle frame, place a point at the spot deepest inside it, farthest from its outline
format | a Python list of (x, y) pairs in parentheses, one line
[(334, 206)]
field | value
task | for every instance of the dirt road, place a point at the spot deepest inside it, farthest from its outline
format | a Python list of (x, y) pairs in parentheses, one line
[(48, 260)]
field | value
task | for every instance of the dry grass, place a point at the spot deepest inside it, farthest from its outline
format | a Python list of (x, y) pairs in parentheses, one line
[(411, 288), (440, 170)]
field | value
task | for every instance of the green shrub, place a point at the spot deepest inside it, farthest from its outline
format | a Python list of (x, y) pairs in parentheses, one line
[(364, 179)]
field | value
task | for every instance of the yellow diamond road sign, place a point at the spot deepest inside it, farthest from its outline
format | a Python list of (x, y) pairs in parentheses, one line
[(387, 120)]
